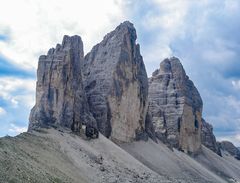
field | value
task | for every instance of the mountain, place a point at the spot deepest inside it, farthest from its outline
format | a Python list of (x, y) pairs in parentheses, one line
[(150, 129), (60, 96), (230, 149), (175, 106), (116, 84)]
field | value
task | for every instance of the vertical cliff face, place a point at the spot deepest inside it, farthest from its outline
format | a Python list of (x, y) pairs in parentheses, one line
[(115, 81), (175, 106), (108, 88), (208, 138), (60, 97)]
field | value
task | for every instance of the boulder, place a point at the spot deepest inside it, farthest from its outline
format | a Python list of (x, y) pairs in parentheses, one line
[(115, 81)]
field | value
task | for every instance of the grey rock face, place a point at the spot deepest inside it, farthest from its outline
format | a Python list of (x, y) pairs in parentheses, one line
[(149, 128), (116, 84), (175, 106), (208, 138), (230, 148), (60, 97)]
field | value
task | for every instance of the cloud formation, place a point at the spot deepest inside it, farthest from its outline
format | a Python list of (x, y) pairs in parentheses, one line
[(33, 26), (2, 111), (17, 129), (16, 100)]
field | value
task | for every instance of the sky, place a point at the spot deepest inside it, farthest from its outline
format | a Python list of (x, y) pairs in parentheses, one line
[(204, 35)]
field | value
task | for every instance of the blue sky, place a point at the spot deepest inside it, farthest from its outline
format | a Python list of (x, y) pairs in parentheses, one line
[(203, 34)]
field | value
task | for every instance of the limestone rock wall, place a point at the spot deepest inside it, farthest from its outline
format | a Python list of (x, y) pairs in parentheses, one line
[(208, 138), (108, 88), (175, 106), (116, 84), (60, 97)]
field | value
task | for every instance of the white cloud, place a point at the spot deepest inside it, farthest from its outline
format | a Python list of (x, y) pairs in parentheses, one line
[(33, 26), (220, 52), (227, 115), (234, 103), (164, 21), (17, 129), (2, 111), (236, 84), (172, 15), (231, 6), (16, 90)]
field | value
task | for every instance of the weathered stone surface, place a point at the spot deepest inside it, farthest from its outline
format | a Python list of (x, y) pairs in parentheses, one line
[(60, 97), (149, 128), (208, 138), (230, 148), (116, 84), (175, 106)]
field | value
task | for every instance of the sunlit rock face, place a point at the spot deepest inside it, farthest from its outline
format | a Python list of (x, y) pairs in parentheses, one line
[(60, 97), (208, 138), (116, 84), (175, 106)]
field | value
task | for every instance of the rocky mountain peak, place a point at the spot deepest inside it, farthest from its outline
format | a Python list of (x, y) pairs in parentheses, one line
[(60, 97), (125, 29), (109, 89), (68, 43), (175, 106), (116, 84), (72, 42), (112, 95), (171, 65)]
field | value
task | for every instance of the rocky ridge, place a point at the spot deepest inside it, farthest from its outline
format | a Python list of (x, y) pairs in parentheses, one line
[(108, 89), (230, 148)]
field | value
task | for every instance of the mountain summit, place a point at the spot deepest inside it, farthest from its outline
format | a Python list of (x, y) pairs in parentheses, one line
[(98, 118), (175, 106), (60, 96), (111, 86), (116, 84)]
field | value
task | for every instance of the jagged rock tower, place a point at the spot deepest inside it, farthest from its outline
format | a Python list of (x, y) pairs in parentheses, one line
[(60, 97), (109, 90), (175, 107), (116, 84)]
